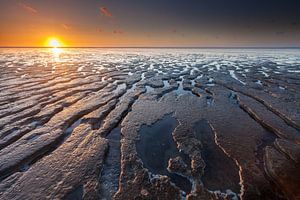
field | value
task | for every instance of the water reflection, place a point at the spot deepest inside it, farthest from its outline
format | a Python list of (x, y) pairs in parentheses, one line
[(56, 52)]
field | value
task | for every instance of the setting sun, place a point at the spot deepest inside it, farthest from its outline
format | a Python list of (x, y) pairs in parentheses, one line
[(53, 42)]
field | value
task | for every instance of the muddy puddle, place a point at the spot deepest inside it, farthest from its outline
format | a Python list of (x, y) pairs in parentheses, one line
[(156, 147), (221, 172)]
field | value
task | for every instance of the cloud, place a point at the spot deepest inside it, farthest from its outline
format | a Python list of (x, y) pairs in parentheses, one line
[(28, 8), (100, 30), (66, 27), (118, 31), (176, 32), (294, 24), (104, 11)]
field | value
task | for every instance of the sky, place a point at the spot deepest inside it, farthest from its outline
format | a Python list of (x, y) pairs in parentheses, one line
[(151, 23)]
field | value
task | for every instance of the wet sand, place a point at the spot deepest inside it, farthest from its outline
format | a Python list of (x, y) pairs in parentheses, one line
[(149, 124)]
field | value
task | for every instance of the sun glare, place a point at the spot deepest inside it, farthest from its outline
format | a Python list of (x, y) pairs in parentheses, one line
[(54, 42)]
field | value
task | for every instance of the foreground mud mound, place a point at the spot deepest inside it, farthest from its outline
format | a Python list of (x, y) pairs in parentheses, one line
[(149, 124)]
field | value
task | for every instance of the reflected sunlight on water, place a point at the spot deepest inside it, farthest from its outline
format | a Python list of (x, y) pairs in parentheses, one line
[(56, 52), (99, 59)]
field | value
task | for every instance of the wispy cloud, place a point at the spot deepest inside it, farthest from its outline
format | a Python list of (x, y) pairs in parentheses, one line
[(118, 31), (66, 27), (104, 11), (294, 23), (100, 30), (174, 31), (28, 8)]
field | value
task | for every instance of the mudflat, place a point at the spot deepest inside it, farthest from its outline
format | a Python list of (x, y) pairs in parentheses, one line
[(149, 123)]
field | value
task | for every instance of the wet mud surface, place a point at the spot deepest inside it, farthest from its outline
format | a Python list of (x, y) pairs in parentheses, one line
[(149, 124), (220, 172), (156, 147)]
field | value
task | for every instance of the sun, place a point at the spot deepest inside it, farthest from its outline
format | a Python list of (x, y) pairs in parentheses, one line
[(53, 42)]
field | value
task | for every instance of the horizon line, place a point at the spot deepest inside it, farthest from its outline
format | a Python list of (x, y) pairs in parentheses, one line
[(162, 47)]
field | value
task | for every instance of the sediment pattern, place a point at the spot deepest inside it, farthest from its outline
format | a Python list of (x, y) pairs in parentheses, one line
[(149, 124)]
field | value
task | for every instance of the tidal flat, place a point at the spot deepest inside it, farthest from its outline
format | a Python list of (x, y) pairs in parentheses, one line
[(98, 123)]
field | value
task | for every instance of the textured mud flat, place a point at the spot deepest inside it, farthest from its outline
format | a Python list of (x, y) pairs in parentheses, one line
[(149, 124)]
